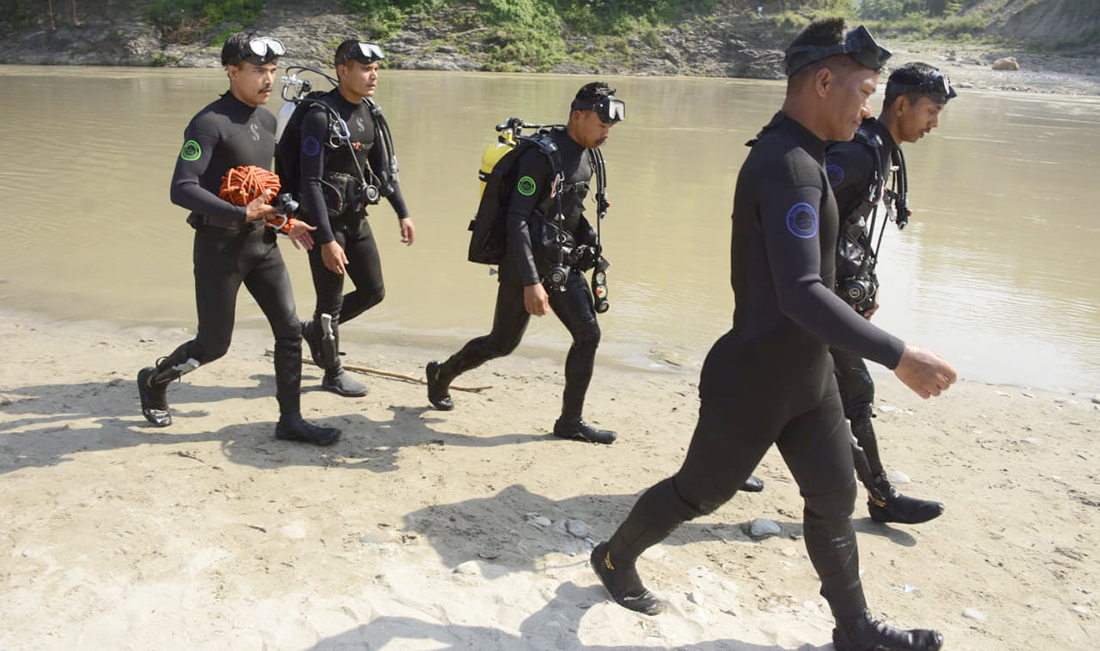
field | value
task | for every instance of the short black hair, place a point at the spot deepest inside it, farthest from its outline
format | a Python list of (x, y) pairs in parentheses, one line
[(342, 51), (236, 47), (911, 74), (591, 93), (822, 32)]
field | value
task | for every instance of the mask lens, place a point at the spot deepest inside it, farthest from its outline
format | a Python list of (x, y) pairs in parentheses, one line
[(266, 48), (369, 53), (616, 110)]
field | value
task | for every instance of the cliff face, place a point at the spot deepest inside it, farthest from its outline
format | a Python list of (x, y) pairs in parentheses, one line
[(724, 43)]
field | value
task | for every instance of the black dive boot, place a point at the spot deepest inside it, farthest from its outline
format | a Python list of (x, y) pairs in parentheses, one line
[(324, 348), (891, 506), (154, 398), (578, 430), (292, 427), (865, 633), (153, 384), (624, 584), (438, 387)]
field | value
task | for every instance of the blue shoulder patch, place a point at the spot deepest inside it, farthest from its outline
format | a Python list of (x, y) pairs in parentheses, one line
[(802, 220), (836, 174), (311, 146)]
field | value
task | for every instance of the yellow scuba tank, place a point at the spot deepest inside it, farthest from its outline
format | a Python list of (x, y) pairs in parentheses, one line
[(493, 153)]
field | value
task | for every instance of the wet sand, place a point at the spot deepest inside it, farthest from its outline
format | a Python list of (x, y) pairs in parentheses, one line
[(417, 530)]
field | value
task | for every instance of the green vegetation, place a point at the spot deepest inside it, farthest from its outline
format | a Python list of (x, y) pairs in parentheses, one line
[(924, 19), (190, 21)]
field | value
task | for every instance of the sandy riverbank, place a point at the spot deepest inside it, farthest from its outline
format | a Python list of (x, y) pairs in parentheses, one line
[(415, 531)]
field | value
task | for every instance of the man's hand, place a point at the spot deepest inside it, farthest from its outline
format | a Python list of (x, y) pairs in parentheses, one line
[(536, 300), (874, 308), (925, 372), (332, 255), (258, 207), (299, 233), (408, 231)]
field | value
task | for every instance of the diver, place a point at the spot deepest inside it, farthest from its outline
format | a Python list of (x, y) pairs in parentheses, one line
[(545, 219), (336, 154), (232, 246), (770, 379), (860, 174)]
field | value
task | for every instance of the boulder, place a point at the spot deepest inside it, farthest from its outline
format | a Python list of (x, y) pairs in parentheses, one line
[(1006, 63)]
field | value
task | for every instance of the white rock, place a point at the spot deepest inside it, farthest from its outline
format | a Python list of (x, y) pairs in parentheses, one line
[(696, 597), (469, 568), (888, 409), (1002, 394), (898, 477), (1082, 611), (972, 613), (762, 528), (541, 521), (1096, 399), (728, 586), (578, 528), (653, 553)]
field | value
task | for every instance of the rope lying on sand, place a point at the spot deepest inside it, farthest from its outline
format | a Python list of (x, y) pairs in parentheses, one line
[(393, 376)]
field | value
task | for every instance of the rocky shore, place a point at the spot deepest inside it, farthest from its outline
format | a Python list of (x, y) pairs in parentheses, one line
[(733, 46)]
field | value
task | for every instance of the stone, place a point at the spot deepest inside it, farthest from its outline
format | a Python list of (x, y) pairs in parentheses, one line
[(696, 597), (559, 526), (469, 568), (653, 553), (762, 528), (1082, 611), (578, 528), (1096, 399), (898, 477), (1028, 395), (540, 521), (972, 613), (889, 409), (1006, 63)]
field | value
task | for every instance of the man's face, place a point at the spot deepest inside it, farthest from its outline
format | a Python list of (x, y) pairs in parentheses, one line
[(252, 83), (917, 120), (848, 101), (359, 78), (591, 131)]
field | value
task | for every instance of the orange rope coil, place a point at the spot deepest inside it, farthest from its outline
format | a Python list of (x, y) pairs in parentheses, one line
[(242, 185)]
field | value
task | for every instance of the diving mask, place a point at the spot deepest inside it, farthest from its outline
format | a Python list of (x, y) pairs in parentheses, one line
[(858, 44)]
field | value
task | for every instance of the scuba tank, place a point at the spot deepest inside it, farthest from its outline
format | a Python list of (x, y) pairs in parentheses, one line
[(506, 141), (283, 118), (298, 89)]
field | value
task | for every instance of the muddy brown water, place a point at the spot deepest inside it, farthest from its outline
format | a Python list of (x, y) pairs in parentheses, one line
[(998, 270)]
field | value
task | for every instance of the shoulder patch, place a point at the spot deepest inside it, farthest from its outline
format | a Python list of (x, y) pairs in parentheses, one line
[(191, 151), (802, 220), (836, 174), (526, 186), (311, 146)]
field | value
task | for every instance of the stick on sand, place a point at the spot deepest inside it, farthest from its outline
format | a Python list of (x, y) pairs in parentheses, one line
[(393, 376)]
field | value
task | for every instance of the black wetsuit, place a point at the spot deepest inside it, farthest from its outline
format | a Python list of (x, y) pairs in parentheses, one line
[(325, 174), (228, 250), (770, 379), (528, 261), (851, 167)]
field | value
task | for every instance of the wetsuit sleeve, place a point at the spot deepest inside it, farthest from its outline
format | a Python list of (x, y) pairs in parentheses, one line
[(532, 184), (311, 151), (377, 161), (187, 191), (850, 166), (790, 222)]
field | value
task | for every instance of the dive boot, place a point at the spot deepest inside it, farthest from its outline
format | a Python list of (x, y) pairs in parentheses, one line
[(342, 383), (438, 391), (865, 633), (624, 584), (578, 430), (292, 427), (753, 484), (903, 509), (154, 399)]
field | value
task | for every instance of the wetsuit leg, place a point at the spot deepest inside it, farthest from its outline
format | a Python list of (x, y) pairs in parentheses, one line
[(730, 439), (329, 286), (816, 447), (509, 323), (573, 308), (365, 270), (269, 283), (857, 392), (218, 276)]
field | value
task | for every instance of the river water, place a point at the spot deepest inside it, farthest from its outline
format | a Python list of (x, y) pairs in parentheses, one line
[(998, 270)]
